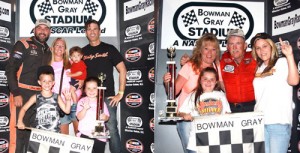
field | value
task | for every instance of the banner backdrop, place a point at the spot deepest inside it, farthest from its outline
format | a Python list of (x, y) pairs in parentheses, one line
[(67, 17), (285, 23), (137, 46), (191, 19), (7, 40)]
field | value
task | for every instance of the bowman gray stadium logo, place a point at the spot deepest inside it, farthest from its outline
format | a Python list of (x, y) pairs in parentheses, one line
[(4, 32), (280, 2), (134, 75), (133, 30), (194, 19), (4, 121), (68, 16), (134, 121)]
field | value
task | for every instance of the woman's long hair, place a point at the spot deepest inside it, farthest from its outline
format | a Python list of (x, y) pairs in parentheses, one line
[(273, 59)]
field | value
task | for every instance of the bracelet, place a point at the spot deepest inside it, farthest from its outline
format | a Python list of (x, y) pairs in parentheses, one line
[(121, 92)]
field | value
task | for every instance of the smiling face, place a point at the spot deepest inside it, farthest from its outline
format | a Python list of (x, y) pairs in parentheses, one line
[(59, 48), (237, 47), (208, 81), (91, 89), (93, 32), (42, 33), (46, 81), (263, 50), (209, 52)]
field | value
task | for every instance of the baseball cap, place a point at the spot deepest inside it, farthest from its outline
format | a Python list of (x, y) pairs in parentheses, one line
[(260, 36), (235, 32), (42, 21), (46, 69)]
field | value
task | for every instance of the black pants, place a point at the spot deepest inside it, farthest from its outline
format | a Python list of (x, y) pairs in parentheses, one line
[(22, 136), (98, 147), (242, 107)]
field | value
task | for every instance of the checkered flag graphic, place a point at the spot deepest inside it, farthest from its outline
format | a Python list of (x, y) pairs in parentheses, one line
[(189, 18), (45, 7), (237, 20), (90, 6)]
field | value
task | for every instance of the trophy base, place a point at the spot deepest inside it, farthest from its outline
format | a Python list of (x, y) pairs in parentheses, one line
[(168, 119), (98, 135), (100, 131)]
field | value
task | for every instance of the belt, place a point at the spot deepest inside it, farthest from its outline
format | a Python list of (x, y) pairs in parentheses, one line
[(25, 86), (251, 103)]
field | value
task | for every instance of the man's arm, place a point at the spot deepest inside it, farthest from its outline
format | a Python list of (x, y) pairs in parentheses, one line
[(13, 66), (122, 82)]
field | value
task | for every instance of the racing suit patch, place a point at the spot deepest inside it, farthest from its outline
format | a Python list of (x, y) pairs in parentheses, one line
[(18, 55), (229, 68)]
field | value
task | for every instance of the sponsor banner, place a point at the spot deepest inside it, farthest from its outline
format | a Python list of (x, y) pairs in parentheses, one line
[(7, 40), (134, 146), (4, 122), (4, 34), (44, 141), (3, 79), (244, 131), (67, 17), (140, 55), (137, 8), (279, 6), (5, 11), (286, 23), (184, 22), (138, 49), (4, 143), (140, 76)]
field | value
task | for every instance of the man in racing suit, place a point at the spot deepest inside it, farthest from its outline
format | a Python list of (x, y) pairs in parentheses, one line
[(238, 70), (27, 56)]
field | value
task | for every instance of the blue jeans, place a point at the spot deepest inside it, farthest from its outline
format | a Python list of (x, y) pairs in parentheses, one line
[(277, 138), (112, 125), (68, 118), (183, 129)]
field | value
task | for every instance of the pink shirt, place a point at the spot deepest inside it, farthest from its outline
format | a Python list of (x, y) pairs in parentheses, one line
[(86, 124), (188, 73), (57, 66)]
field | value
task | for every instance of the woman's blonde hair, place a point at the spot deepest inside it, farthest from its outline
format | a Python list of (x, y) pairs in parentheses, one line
[(196, 58), (66, 61)]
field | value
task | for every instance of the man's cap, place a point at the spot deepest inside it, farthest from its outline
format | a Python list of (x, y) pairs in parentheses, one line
[(46, 69), (235, 32), (42, 21), (260, 36)]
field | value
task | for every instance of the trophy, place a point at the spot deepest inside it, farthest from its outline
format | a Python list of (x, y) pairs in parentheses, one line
[(171, 107), (100, 130)]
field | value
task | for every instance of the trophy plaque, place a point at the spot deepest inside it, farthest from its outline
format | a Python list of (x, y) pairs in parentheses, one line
[(100, 130), (171, 107)]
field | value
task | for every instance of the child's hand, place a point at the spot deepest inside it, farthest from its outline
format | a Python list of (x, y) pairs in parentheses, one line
[(21, 125), (67, 95), (103, 117), (86, 105)]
